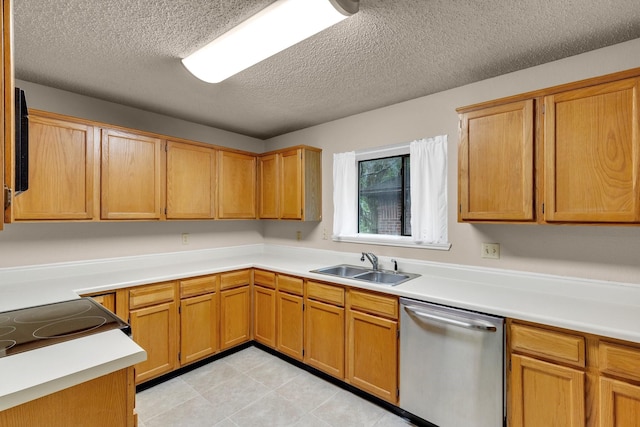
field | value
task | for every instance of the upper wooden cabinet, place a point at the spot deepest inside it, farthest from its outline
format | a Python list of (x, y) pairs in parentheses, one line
[(592, 154), (132, 176), (64, 180), (567, 154), (6, 108), (290, 184), (236, 185), (495, 163), (191, 181)]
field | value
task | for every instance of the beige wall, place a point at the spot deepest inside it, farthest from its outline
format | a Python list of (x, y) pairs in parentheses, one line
[(609, 253)]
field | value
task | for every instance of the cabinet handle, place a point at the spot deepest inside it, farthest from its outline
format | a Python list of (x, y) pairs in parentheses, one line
[(467, 323)]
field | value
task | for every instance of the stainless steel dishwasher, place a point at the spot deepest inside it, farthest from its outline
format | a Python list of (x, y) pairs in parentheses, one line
[(451, 365)]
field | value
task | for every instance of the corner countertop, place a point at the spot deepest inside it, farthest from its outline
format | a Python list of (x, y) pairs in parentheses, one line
[(610, 309)]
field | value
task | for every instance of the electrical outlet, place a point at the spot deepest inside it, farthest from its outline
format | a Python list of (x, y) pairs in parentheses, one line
[(491, 250), (298, 235), (185, 238), (324, 233)]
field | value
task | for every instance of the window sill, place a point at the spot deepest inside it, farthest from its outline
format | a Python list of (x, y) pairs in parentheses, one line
[(386, 240)]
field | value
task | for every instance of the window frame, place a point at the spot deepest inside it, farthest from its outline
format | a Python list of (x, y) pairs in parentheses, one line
[(385, 239)]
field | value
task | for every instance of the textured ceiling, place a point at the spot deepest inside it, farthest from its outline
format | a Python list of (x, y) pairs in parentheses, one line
[(129, 52)]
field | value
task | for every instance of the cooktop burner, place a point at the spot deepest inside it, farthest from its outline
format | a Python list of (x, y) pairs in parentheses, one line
[(34, 327)]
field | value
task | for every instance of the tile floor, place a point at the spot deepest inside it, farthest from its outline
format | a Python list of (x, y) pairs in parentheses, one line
[(255, 388)]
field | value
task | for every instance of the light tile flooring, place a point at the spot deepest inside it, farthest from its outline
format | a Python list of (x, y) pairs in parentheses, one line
[(255, 388)]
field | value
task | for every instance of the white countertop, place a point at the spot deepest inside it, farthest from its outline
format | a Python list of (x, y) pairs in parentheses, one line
[(603, 308)]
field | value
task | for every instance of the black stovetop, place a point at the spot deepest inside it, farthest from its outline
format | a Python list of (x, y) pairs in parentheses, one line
[(34, 327)]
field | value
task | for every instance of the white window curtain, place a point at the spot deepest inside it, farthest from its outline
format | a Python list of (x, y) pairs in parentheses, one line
[(345, 194), (428, 175)]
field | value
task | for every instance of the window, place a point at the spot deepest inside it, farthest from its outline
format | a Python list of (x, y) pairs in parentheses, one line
[(384, 196), (394, 195)]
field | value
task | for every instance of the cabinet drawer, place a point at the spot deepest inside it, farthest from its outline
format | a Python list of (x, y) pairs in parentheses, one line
[(553, 345), (327, 293), (264, 278), (290, 284), (621, 360), (382, 305), (198, 286), (235, 278), (151, 295)]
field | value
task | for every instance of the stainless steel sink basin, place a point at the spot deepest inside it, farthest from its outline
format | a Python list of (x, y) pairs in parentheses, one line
[(342, 270), (382, 277)]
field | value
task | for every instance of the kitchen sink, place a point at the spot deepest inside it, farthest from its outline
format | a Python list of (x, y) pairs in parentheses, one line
[(382, 277)]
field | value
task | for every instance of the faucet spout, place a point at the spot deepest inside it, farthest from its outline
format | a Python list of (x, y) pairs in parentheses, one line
[(372, 258)]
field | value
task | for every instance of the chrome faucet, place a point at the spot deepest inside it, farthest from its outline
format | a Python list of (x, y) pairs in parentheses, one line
[(371, 257)]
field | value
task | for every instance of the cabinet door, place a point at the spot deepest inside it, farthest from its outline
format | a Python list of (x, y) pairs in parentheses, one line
[(495, 163), (235, 312), (544, 394), (198, 327), (63, 179), (155, 329), (372, 354), (290, 325), (268, 186), (236, 185), (619, 404), (191, 181), (324, 337), (131, 176), (592, 154), (291, 184), (264, 315)]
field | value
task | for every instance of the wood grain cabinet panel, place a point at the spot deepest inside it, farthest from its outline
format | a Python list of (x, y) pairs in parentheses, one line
[(268, 186), (290, 184), (619, 404), (235, 314), (324, 337), (592, 154), (236, 185), (264, 315), (64, 173), (290, 321), (545, 394), (495, 163), (155, 329), (132, 176), (198, 327), (191, 181)]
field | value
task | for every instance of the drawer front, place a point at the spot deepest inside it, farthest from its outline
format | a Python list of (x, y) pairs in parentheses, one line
[(621, 360), (381, 305), (198, 286), (553, 345), (290, 284), (326, 293), (150, 295), (264, 278), (235, 278)]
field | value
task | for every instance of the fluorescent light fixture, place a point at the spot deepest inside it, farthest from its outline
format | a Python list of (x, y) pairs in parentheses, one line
[(277, 27)]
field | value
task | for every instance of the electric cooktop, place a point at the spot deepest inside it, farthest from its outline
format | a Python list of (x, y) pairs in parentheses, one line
[(43, 325)]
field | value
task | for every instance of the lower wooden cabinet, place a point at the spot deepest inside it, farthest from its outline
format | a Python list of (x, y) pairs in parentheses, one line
[(235, 312), (546, 394), (290, 324), (619, 403), (102, 402), (264, 315), (324, 337), (155, 329), (198, 327)]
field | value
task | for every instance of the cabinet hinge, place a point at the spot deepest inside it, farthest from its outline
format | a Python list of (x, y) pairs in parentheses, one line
[(303, 351), (165, 211), (179, 356), (179, 309), (302, 306), (7, 197), (460, 208), (397, 392), (166, 147), (398, 334), (543, 208), (509, 365)]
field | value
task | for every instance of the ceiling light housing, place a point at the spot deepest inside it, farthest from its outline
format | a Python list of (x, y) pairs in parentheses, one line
[(275, 28)]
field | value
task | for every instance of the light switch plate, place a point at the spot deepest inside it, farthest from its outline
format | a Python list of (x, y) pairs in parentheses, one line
[(491, 250)]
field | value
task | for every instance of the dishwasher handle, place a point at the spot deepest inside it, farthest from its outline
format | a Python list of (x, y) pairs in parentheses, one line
[(466, 323)]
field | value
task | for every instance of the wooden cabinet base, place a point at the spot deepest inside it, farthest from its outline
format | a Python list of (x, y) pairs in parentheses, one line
[(103, 402)]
